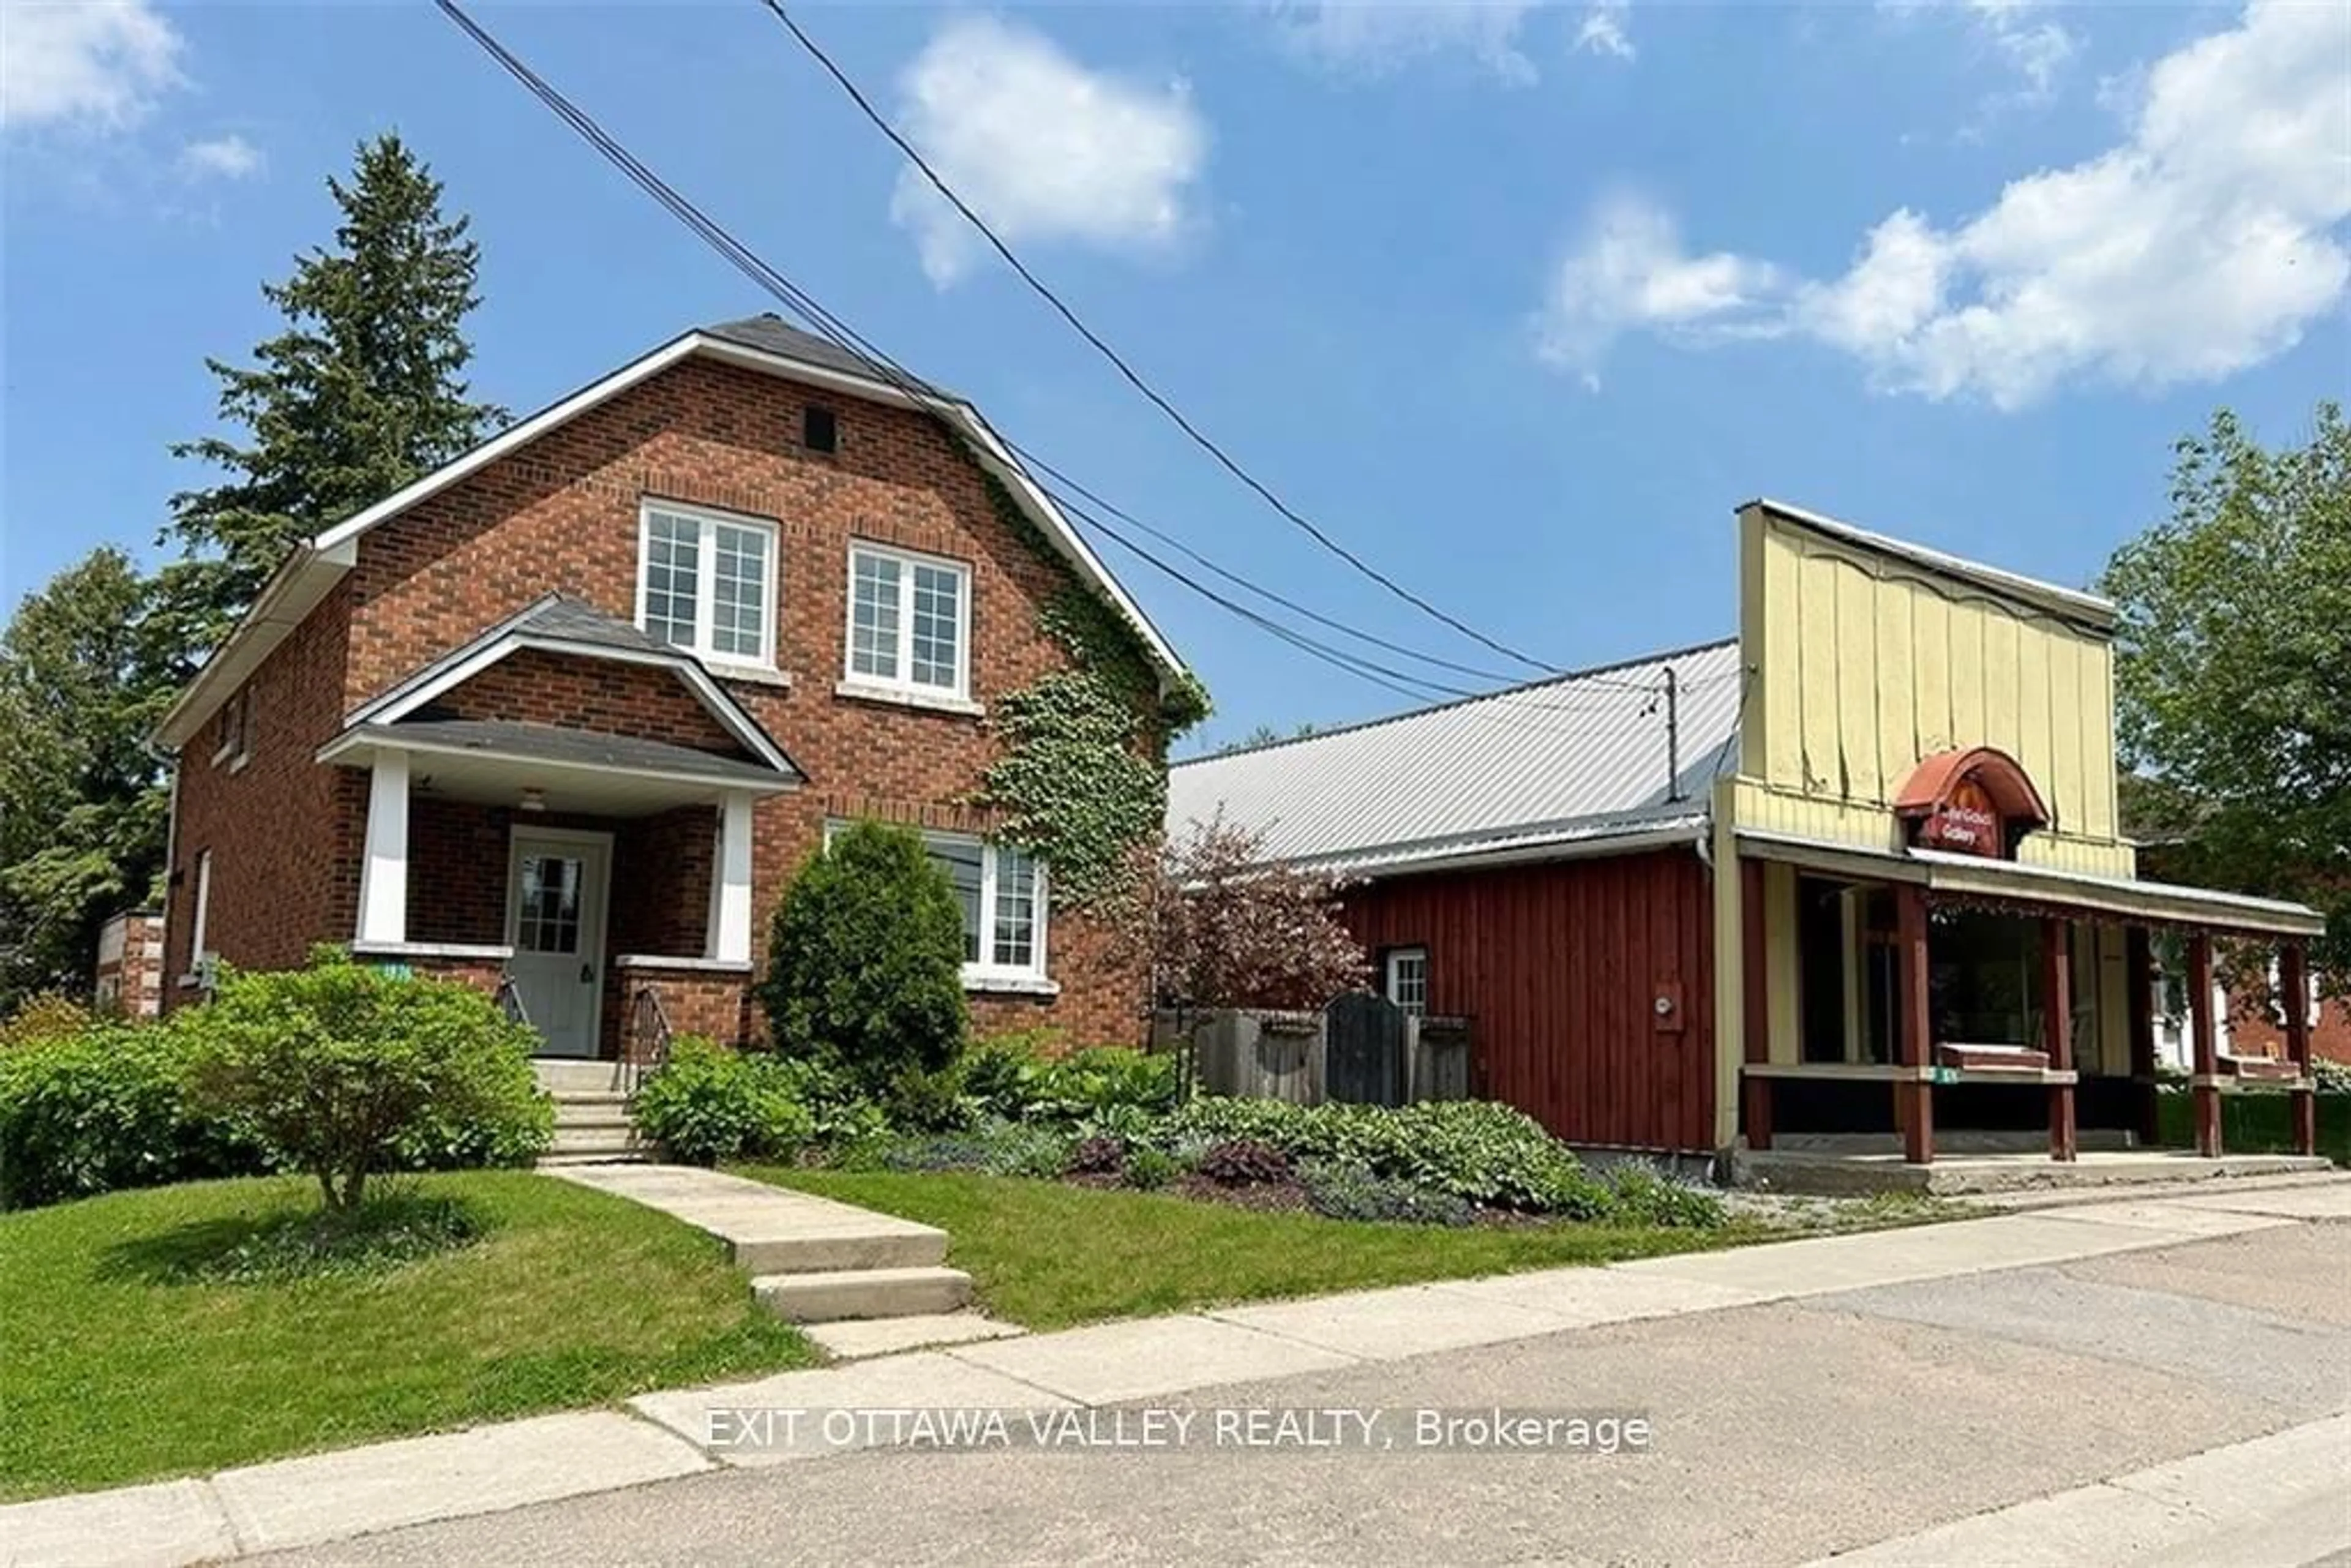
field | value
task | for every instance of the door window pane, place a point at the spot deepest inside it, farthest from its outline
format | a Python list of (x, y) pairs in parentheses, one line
[(548, 908)]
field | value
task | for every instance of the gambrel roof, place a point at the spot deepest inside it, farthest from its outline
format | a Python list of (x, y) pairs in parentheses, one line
[(761, 343)]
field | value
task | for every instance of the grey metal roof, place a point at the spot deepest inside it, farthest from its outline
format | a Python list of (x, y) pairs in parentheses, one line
[(772, 333), (1580, 757), (578, 747)]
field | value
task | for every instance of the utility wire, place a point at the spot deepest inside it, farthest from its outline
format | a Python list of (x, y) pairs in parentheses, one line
[(1134, 377), (833, 329)]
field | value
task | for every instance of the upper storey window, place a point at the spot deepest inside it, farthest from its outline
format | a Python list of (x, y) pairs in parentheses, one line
[(909, 622), (706, 583)]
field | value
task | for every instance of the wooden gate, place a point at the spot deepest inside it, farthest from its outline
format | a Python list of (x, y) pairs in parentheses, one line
[(1365, 1037)]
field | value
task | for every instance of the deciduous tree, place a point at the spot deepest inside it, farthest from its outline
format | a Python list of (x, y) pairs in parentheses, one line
[(1222, 928), (2233, 681)]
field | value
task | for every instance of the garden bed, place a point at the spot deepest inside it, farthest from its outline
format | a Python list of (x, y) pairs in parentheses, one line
[(186, 1329)]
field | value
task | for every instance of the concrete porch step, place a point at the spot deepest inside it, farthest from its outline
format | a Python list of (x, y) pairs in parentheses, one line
[(834, 1296), (593, 1157), (559, 1075), (576, 1140)]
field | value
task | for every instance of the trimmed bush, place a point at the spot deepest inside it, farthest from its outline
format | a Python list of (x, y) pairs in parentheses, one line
[(1646, 1196), (344, 1072), (866, 959), (103, 1109), (710, 1103)]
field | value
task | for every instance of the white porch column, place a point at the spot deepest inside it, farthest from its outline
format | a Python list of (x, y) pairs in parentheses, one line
[(384, 873), (730, 883)]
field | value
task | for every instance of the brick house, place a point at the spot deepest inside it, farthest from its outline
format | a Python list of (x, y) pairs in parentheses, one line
[(572, 709)]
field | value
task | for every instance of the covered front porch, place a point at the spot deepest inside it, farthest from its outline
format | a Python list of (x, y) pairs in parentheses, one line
[(600, 885), (1903, 1006)]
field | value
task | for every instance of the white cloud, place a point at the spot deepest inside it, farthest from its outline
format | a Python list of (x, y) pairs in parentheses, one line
[(2034, 47), (1602, 32), (1375, 38), (1629, 271), (1040, 147), (229, 157), (2206, 241), (99, 63)]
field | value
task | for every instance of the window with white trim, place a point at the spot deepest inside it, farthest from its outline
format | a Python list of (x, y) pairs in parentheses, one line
[(197, 934), (236, 747), (909, 621), (706, 583), (999, 889), (1408, 980)]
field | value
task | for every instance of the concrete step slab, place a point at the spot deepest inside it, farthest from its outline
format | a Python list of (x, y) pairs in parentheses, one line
[(829, 1252), (863, 1293), (861, 1339), (589, 1140)]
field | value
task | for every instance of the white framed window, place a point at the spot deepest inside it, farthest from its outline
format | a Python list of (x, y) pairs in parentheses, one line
[(1408, 980), (706, 583), (1000, 890), (909, 621), (236, 747)]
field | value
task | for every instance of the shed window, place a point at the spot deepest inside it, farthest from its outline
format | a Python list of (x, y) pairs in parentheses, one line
[(1408, 980)]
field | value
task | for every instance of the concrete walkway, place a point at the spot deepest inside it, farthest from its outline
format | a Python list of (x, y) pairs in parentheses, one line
[(307, 1502), (812, 1260)]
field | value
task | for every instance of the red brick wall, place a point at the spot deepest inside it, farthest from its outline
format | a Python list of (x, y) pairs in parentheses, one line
[(2257, 1036), (282, 829), (534, 687), (562, 515)]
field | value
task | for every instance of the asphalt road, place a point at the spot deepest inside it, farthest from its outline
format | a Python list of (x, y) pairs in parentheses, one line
[(1782, 1433)]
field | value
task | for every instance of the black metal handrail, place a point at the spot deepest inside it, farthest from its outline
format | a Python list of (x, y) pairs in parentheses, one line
[(647, 1051), (509, 1000)]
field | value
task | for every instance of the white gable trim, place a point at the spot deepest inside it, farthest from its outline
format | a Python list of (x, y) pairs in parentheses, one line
[(398, 704)]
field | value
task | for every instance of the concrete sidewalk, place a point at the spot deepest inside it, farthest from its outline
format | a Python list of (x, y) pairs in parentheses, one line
[(331, 1497)]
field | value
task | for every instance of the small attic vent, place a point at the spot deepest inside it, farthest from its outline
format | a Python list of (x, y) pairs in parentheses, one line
[(817, 430)]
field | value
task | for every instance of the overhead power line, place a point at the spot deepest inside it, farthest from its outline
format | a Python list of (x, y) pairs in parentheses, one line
[(1119, 361), (837, 331)]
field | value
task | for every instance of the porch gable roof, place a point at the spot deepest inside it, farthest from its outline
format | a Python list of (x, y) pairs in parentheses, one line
[(557, 623), (591, 750)]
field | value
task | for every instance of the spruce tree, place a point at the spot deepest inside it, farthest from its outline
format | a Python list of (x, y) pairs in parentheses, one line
[(364, 391)]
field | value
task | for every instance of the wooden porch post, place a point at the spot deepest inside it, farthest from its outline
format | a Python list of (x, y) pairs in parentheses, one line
[(2294, 980), (1755, 1028), (2057, 1031), (1913, 1096), (2204, 1073), (2138, 1013)]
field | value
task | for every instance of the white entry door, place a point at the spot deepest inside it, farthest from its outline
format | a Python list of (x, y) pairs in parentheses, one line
[(555, 922)]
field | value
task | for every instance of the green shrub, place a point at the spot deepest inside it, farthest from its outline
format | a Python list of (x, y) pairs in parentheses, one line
[(1341, 1191), (46, 1016), (1478, 1151), (919, 1101), (1646, 1196), (1005, 1074), (1101, 1081), (866, 959), (344, 1072), (1148, 1170), (103, 1109), (709, 1104)]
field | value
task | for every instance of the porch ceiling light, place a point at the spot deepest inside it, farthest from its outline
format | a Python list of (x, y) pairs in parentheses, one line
[(534, 799)]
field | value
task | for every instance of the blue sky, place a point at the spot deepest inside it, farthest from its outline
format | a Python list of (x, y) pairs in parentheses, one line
[(1519, 300)]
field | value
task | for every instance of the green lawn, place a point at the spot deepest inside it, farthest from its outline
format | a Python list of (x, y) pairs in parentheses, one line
[(114, 1370), (1046, 1254)]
